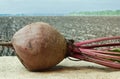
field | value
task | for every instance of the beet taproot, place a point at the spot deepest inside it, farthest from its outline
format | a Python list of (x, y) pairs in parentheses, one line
[(39, 46)]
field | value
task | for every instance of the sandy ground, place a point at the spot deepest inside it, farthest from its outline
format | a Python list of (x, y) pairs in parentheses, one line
[(11, 68)]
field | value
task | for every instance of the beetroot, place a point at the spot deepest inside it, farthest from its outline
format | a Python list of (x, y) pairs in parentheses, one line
[(39, 46)]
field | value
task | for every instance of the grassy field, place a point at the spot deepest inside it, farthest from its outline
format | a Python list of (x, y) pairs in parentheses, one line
[(97, 13), (78, 28)]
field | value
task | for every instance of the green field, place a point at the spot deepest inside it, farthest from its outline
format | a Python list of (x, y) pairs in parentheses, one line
[(96, 13)]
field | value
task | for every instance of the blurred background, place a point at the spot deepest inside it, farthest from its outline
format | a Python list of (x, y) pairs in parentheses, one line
[(75, 19), (59, 7)]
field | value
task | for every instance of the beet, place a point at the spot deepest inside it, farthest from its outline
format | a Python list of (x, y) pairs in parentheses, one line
[(39, 47)]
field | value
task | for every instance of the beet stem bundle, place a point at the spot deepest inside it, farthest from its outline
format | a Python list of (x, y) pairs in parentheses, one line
[(106, 57)]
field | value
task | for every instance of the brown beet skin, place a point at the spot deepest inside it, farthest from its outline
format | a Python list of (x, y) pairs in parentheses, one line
[(39, 46)]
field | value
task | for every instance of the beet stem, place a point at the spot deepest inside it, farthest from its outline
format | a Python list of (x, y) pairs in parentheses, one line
[(97, 51), (96, 40), (105, 52), (101, 45), (96, 54)]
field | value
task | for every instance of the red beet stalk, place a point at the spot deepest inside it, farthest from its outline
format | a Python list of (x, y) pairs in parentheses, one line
[(97, 53)]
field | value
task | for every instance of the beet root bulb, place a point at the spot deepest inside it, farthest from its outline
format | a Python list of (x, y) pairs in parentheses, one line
[(39, 46)]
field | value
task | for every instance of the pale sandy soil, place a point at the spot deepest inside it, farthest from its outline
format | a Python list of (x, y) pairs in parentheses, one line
[(11, 68)]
